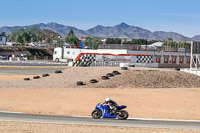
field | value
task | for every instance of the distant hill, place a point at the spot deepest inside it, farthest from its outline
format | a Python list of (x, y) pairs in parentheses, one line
[(122, 30), (196, 38)]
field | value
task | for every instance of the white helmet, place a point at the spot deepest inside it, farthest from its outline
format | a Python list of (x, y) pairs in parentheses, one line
[(107, 99)]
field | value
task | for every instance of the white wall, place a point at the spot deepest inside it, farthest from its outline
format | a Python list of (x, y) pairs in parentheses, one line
[(72, 53), (2, 40)]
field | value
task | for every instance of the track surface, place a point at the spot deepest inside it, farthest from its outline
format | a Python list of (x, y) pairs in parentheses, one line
[(6, 116)]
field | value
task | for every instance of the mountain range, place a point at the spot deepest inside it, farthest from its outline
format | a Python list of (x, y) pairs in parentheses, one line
[(122, 30)]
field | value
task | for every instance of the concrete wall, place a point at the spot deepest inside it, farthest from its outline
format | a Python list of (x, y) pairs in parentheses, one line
[(173, 65)]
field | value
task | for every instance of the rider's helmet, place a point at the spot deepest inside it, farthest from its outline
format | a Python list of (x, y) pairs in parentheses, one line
[(107, 99)]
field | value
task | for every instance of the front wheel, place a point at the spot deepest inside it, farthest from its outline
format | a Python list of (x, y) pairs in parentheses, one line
[(122, 115), (96, 114), (57, 60)]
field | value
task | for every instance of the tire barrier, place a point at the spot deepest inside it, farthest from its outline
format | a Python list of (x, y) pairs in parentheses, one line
[(131, 65), (26, 79), (105, 77), (93, 81), (116, 73), (79, 83), (45, 75), (124, 68), (58, 71), (110, 75), (36, 77)]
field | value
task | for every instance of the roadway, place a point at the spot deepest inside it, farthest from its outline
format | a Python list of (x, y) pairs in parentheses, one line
[(78, 120)]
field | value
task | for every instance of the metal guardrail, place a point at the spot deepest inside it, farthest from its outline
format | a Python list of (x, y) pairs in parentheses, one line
[(111, 63), (105, 63)]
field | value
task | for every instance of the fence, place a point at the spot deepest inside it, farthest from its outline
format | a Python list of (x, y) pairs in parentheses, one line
[(101, 63), (44, 58), (105, 63)]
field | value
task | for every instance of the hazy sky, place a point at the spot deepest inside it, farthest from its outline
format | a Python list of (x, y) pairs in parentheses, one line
[(182, 16)]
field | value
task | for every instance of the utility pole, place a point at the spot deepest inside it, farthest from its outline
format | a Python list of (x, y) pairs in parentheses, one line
[(122, 39), (191, 55)]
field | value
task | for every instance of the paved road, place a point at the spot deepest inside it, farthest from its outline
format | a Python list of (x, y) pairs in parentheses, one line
[(31, 63), (28, 71), (107, 122)]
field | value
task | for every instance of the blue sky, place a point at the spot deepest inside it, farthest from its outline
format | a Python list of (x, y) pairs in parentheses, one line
[(182, 16)]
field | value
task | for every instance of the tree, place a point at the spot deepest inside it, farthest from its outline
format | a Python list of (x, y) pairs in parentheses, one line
[(71, 38), (13, 35), (35, 33), (20, 36), (2, 34), (113, 41), (94, 43), (88, 41)]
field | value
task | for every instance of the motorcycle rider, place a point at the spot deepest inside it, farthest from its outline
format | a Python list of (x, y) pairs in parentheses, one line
[(112, 105)]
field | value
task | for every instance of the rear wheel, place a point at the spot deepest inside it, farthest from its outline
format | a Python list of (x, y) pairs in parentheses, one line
[(57, 60), (122, 115), (96, 114)]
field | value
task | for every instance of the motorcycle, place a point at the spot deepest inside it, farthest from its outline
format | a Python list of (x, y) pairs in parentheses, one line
[(106, 112)]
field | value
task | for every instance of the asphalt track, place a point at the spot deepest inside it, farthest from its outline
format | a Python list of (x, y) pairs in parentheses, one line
[(9, 116)]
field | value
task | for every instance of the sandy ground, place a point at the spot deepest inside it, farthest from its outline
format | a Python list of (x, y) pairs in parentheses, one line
[(23, 127), (15, 77), (141, 103)]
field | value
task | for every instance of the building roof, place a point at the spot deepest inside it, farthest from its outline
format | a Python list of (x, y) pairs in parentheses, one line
[(156, 44)]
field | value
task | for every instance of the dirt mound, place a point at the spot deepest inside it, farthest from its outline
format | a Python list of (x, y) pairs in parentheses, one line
[(150, 79)]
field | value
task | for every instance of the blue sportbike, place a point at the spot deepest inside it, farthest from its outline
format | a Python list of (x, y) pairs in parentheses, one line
[(103, 111)]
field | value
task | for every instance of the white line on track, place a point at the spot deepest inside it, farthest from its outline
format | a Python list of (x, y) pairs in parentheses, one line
[(11, 112), (151, 119), (165, 119)]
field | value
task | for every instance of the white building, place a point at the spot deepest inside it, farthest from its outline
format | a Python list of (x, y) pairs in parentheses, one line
[(2, 39), (153, 45)]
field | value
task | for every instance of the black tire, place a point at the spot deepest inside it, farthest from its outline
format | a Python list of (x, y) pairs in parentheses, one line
[(36, 77), (177, 69), (79, 83), (131, 65), (26, 79), (116, 73), (104, 77), (96, 115), (45, 75), (58, 71), (123, 115), (93, 81), (124, 68), (110, 75)]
